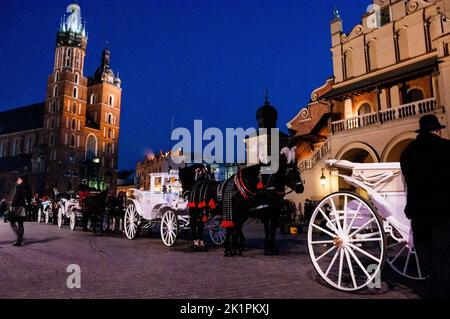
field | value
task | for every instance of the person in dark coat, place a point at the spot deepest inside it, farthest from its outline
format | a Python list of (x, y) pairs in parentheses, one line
[(3, 209), (22, 198), (425, 167)]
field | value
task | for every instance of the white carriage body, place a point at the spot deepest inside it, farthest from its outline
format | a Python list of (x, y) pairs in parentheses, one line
[(385, 186), (149, 204)]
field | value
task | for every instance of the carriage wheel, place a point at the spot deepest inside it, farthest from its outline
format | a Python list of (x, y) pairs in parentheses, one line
[(47, 215), (73, 220), (216, 233), (60, 217), (169, 228), (106, 222), (39, 216), (131, 221), (346, 241), (403, 258)]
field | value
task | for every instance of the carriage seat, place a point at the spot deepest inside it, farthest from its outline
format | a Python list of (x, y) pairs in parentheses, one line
[(382, 177)]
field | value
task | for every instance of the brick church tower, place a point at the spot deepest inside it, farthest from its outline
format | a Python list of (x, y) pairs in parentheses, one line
[(82, 114)]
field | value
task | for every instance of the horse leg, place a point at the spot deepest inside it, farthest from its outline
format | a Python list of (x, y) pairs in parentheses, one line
[(227, 243), (241, 240), (201, 227), (273, 231), (194, 222), (267, 232)]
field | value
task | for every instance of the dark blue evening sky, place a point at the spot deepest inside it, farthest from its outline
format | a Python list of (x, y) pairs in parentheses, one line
[(203, 59)]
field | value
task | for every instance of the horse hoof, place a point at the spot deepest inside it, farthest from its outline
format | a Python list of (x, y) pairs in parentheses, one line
[(228, 253), (194, 248), (239, 252)]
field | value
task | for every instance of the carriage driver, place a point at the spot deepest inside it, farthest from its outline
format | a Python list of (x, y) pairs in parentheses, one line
[(424, 164)]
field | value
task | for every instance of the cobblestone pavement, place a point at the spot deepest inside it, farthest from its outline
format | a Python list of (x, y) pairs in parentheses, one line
[(115, 267)]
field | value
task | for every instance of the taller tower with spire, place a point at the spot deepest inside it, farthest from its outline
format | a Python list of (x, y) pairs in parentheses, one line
[(81, 121)]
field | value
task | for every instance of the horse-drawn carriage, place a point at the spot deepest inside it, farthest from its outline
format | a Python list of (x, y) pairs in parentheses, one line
[(45, 213), (352, 234), (163, 205), (68, 210)]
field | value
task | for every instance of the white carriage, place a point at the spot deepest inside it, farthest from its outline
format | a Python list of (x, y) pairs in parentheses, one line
[(163, 205), (351, 237), (45, 212), (68, 209)]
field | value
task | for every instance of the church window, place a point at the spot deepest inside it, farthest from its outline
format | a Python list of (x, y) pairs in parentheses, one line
[(72, 140), (110, 118), (55, 90), (75, 92), (92, 99), (77, 78), (111, 100), (74, 124), (91, 147), (74, 108), (51, 139)]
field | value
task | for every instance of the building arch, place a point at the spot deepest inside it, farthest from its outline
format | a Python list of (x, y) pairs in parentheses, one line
[(91, 146), (395, 146), (364, 109), (372, 55), (348, 63), (93, 99), (402, 44), (358, 150), (414, 94), (75, 92)]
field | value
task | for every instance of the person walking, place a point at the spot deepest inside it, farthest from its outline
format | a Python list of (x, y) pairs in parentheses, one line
[(3, 209), (424, 164), (22, 198)]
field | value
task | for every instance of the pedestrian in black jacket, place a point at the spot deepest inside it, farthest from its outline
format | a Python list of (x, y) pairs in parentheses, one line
[(425, 164), (22, 198), (3, 209)]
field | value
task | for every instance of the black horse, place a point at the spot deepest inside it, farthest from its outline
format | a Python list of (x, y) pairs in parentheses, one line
[(246, 194), (93, 207), (199, 189)]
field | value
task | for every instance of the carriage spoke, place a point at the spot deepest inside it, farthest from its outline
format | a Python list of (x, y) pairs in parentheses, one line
[(407, 261), (362, 227), (345, 213), (322, 242), (325, 253), (331, 263), (359, 263), (398, 254), (323, 230), (349, 227), (341, 262), (328, 220), (364, 253), (361, 240), (336, 215), (350, 267)]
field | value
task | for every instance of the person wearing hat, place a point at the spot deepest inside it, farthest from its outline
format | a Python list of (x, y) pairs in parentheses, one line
[(425, 167), (22, 198)]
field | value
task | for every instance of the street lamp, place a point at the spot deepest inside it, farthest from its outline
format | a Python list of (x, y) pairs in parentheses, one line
[(323, 179)]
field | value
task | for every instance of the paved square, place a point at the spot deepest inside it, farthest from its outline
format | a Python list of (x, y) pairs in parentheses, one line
[(115, 267)]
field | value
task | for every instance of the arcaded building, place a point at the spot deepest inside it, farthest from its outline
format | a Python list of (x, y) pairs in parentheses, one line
[(72, 135), (387, 72)]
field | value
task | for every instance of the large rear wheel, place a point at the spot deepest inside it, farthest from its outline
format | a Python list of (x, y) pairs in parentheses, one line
[(346, 241), (216, 233), (169, 228), (131, 222)]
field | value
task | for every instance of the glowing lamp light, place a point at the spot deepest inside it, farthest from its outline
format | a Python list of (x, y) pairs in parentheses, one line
[(323, 179), (96, 160)]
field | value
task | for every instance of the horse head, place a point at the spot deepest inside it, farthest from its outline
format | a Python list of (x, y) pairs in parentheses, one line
[(190, 174), (289, 171)]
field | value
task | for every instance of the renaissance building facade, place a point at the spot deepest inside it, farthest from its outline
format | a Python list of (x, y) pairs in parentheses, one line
[(387, 72), (72, 135)]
